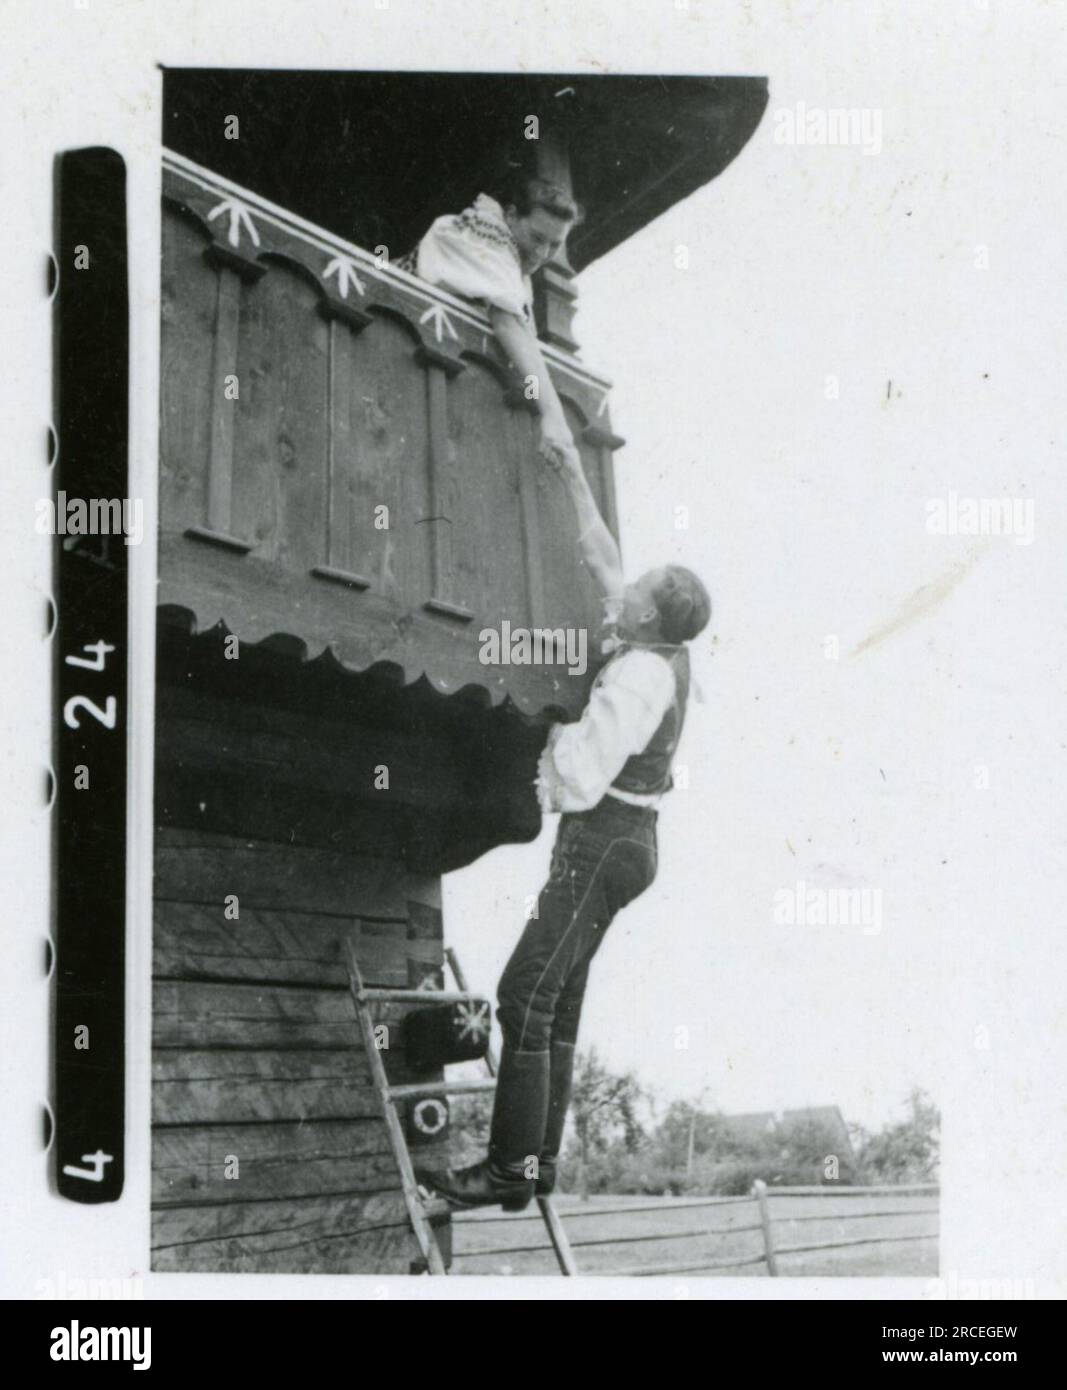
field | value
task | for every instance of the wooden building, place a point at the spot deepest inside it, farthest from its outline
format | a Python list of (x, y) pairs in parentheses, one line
[(349, 494)]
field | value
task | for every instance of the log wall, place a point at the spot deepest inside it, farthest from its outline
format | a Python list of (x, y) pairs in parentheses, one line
[(256, 1055)]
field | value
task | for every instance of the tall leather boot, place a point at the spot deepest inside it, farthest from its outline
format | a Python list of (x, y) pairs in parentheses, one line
[(515, 1137), (561, 1077)]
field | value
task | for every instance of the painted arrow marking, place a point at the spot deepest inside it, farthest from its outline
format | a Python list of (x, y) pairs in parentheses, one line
[(441, 321), (239, 217), (345, 270)]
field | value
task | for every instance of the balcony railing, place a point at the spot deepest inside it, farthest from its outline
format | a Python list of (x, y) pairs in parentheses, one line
[(347, 458)]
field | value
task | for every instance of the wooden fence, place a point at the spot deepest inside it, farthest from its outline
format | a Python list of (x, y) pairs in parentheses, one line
[(761, 1202)]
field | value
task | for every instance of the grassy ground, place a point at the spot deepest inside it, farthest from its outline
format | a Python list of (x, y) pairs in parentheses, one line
[(697, 1236)]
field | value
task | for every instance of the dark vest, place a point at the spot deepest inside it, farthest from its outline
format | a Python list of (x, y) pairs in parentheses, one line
[(648, 773)]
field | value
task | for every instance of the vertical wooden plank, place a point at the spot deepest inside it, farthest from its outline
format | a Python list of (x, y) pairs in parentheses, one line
[(189, 295), (342, 461), (232, 268), (531, 479), (223, 364), (380, 442), (301, 349), (443, 494), (281, 451), (555, 298), (493, 447), (332, 353), (759, 1187), (255, 501)]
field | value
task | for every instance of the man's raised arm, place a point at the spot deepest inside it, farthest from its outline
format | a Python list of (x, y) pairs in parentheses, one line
[(598, 546)]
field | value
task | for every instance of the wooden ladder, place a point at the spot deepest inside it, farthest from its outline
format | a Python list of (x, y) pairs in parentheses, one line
[(420, 1211)]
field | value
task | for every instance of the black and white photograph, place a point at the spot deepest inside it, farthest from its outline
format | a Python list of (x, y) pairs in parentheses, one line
[(396, 636), (549, 529)]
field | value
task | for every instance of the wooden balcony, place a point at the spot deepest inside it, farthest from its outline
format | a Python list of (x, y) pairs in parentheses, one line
[(347, 460)]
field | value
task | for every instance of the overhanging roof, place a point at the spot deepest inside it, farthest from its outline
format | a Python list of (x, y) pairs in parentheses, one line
[(374, 157)]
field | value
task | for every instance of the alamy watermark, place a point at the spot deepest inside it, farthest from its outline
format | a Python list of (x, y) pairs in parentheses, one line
[(981, 516), (65, 1286), (78, 1343), (950, 1287), (538, 646), (858, 126), (806, 905), (90, 516)]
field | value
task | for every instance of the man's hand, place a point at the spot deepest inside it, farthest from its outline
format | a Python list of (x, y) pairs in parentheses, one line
[(596, 543), (562, 458), (555, 444)]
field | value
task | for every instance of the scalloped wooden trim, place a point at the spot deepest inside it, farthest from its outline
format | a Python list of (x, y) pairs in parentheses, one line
[(248, 269)]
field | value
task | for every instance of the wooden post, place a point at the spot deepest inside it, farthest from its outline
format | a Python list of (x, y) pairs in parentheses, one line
[(533, 566), (233, 268), (338, 509), (439, 367), (554, 293), (759, 1188)]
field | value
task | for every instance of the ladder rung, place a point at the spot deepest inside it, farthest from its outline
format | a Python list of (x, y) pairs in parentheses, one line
[(420, 996), (424, 1208), (443, 1088)]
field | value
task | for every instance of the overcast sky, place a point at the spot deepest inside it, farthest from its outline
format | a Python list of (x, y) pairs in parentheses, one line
[(808, 518)]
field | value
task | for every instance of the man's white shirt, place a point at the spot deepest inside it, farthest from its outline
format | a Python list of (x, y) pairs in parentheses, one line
[(626, 706)]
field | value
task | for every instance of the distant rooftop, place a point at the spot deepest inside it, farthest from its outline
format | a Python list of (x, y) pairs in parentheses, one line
[(755, 1124)]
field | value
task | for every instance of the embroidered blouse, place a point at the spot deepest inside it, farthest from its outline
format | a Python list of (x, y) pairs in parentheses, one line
[(474, 254)]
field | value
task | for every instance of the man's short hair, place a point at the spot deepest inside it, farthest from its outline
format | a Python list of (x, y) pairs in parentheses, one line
[(540, 193), (683, 604), (526, 190)]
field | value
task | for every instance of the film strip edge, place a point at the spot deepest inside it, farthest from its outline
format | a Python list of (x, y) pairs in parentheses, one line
[(92, 529)]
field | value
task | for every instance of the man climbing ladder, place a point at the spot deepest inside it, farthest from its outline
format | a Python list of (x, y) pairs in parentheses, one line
[(606, 773)]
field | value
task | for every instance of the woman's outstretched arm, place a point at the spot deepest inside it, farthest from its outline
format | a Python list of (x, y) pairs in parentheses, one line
[(524, 353)]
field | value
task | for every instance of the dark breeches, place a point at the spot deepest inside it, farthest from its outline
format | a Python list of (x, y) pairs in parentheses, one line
[(601, 861)]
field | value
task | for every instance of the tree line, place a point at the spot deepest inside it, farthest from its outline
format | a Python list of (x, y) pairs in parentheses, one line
[(623, 1140)]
